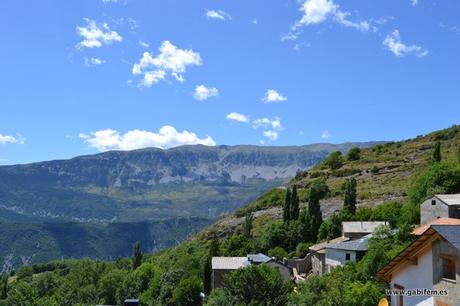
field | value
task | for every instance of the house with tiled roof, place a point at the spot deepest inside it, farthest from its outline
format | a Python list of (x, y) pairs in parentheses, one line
[(429, 263)]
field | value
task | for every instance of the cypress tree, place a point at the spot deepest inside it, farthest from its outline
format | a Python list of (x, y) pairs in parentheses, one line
[(458, 154), (214, 248), (207, 275), (137, 255), (437, 152), (305, 221), (287, 206), (314, 212), (294, 215), (3, 286), (349, 198), (248, 225)]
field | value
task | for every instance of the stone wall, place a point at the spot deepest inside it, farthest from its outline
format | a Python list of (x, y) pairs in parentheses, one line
[(442, 247)]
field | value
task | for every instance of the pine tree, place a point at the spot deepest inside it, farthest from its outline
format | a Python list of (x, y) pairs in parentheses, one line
[(437, 152), (207, 275), (248, 225), (3, 286), (137, 255), (349, 198), (287, 206), (314, 212), (294, 215)]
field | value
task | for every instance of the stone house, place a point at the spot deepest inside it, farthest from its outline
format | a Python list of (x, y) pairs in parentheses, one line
[(224, 265), (318, 255), (430, 262), (440, 206)]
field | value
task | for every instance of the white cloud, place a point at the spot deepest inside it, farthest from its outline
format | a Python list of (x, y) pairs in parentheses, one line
[(237, 117), (273, 96), (171, 60), (93, 61), (203, 93), (143, 44), (318, 11), (218, 14), (167, 137), (394, 44), (414, 2), (268, 123), (272, 135), (326, 135), (95, 35), (5, 139)]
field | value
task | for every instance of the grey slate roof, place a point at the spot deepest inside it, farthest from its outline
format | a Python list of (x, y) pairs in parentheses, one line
[(361, 226), (353, 245), (449, 199), (229, 263), (449, 232), (258, 258)]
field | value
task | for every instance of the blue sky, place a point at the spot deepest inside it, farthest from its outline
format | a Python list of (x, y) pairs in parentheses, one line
[(84, 76)]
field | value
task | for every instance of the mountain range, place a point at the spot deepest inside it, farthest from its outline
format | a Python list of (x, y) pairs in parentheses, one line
[(102, 202)]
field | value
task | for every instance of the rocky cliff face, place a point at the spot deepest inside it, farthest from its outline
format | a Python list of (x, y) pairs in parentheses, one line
[(151, 183)]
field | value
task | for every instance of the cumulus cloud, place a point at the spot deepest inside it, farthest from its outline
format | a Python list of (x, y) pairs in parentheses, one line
[(394, 44), (272, 135), (170, 61), (167, 137), (272, 96), (218, 14), (326, 135), (93, 61), (318, 11), (237, 117), (268, 123), (203, 93), (5, 139), (95, 35)]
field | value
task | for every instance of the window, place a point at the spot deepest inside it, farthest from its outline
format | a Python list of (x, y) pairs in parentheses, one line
[(347, 256), (433, 202), (399, 298), (449, 267)]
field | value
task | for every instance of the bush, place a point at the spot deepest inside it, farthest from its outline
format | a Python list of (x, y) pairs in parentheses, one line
[(334, 160), (25, 271), (257, 285), (443, 177), (278, 252), (302, 249), (354, 154), (187, 292)]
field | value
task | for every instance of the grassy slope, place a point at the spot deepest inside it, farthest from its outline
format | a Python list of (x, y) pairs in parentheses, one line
[(398, 164)]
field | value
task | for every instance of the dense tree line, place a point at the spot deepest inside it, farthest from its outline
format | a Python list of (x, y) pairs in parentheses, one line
[(178, 277)]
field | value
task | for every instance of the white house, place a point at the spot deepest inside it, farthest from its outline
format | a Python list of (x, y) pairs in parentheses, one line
[(430, 262), (340, 253)]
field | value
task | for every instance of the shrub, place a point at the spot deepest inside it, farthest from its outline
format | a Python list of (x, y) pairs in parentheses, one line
[(334, 160), (354, 154)]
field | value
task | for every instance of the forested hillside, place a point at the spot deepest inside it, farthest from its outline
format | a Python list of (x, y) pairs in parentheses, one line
[(386, 183)]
